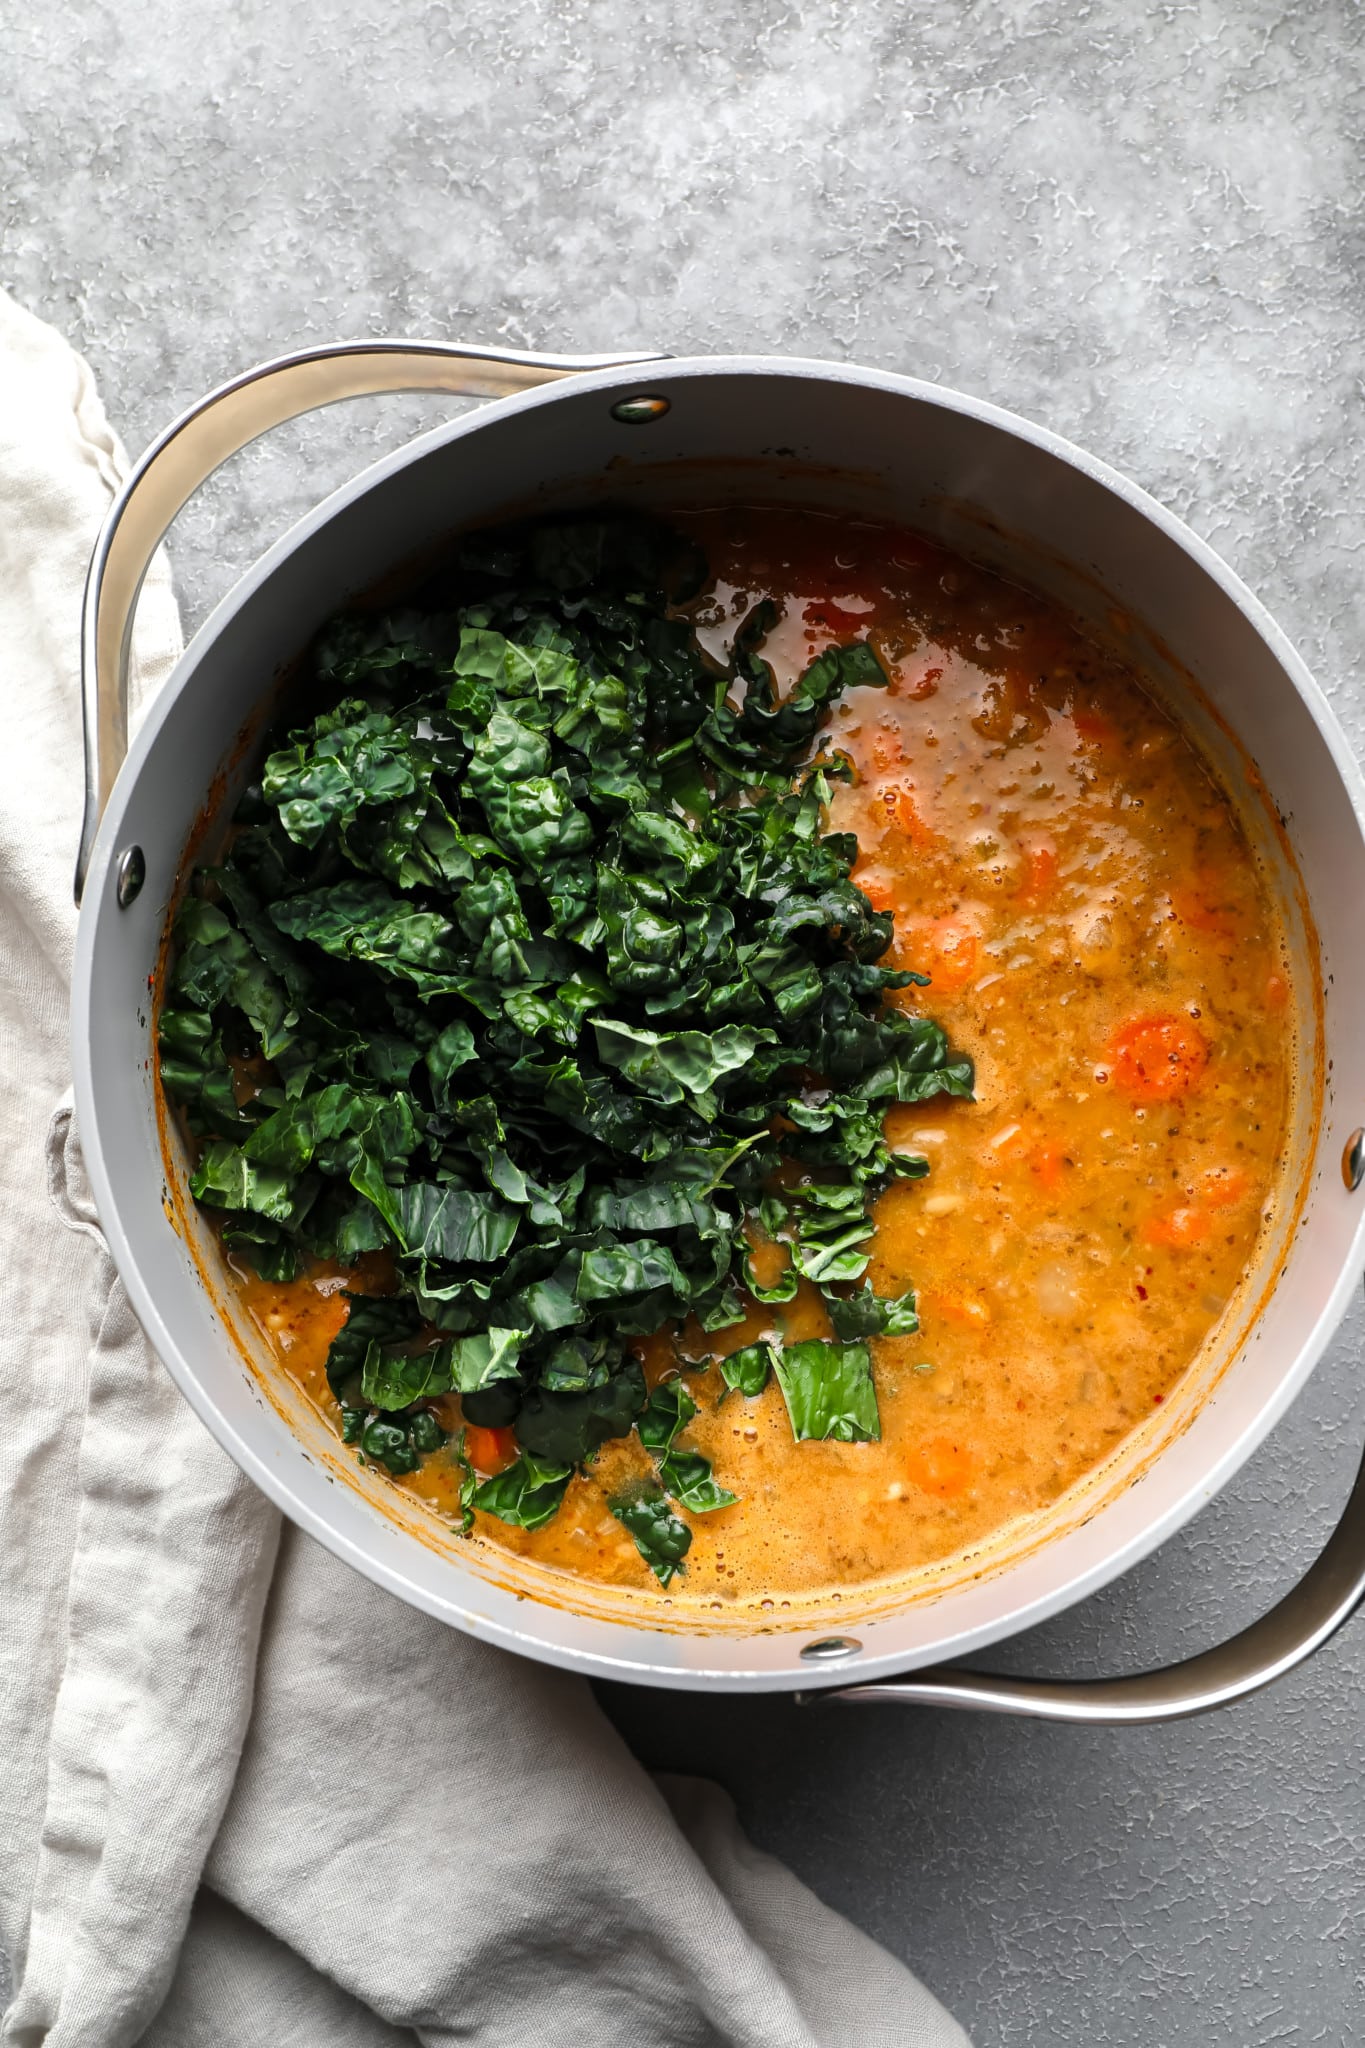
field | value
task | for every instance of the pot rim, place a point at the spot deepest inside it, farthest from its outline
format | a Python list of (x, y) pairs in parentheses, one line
[(276, 1482)]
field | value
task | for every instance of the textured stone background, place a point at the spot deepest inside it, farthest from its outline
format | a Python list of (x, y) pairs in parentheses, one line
[(1139, 224)]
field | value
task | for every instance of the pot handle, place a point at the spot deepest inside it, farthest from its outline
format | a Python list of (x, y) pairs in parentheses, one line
[(201, 440), (1326, 1596)]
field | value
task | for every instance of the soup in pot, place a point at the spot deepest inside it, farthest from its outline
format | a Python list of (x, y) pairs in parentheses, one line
[(953, 1268)]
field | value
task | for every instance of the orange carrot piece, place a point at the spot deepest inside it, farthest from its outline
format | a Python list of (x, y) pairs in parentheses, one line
[(955, 1308), (1222, 1186), (1016, 1145), (944, 948), (1046, 1166), (1040, 871), (489, 1450), (1157, 1057), (940, 1466), (1177, 1230)]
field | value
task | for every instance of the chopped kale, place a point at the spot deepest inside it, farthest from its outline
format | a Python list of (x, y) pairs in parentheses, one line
[(527, 1494), (865, 1314), (687, 1476), (661, 1538), (540, 964), (746, 1371), (828, 1390)]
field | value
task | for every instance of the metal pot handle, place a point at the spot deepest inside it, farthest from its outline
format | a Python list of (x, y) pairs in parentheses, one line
[(201, 440), (1326, 1596)]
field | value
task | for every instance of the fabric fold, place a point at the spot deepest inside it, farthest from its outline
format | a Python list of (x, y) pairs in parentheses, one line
[(137, 1557), (564, 1887)]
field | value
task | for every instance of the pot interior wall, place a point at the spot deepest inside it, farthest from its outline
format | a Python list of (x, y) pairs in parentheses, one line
[(881, 450)]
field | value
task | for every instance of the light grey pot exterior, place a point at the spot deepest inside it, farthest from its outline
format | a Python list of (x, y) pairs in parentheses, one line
[(886, 448)]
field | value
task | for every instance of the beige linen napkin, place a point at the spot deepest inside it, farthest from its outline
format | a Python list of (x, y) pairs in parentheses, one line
[(248, 1800)]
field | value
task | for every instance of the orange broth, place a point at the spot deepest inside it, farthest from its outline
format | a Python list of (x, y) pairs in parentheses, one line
[(1062, 864)]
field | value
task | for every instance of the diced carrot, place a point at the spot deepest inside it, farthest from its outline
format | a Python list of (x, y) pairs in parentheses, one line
[(956, 1308), (1276, 992), (489, 1450), (1015, 1145), (1047, 1164), (1157, 1057), (1018, 1145), (1222, 1186), (944, 948), (940, 1466), (1040, 871), (1177, 1230)]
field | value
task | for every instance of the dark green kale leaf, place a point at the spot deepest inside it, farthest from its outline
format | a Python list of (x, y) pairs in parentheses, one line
[(216, 966), (828, 1390), (389, 1443), (478, 1362), (390, 1380), (458, 1226), (662, 1540), (669, 1409), (866, 1314), (570, 1427), (364, 920), (833, 1232), (196, 1070), (362, 757), (494, 1406), (263, 1245), (372, 1321), (527, 1494), (686, 1475), (746, 1372)]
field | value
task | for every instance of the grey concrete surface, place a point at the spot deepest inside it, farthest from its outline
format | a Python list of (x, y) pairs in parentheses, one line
[(1138, 224)]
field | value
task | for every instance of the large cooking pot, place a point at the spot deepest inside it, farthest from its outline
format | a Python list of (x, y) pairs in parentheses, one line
[(881, 447)]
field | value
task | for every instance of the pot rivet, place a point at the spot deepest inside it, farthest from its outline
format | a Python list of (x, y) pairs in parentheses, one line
[(638, 412), (131, 874), (829, 1648), (1353, 1161)]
